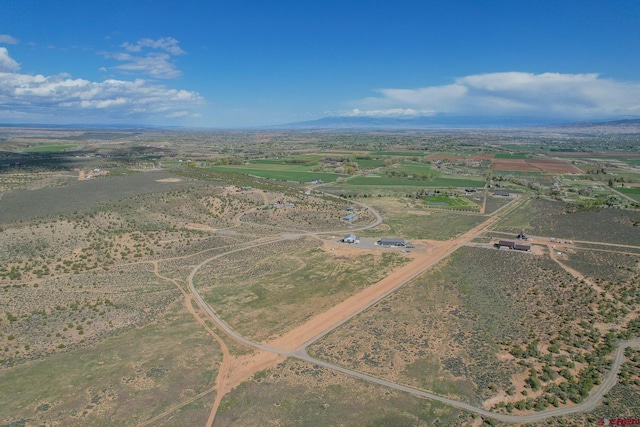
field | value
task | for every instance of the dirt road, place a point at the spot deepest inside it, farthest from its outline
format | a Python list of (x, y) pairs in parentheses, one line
[(295, 342)]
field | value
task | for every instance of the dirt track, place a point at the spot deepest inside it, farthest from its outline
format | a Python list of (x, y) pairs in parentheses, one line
[(237, 369), (294, 342)]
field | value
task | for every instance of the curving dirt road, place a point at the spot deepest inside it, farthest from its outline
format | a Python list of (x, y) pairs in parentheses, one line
[(295, 342)]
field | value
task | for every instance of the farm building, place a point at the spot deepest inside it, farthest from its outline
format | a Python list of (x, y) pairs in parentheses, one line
[(351, 238), (350, 217), (391, 242), (501, 193), (505, 244)]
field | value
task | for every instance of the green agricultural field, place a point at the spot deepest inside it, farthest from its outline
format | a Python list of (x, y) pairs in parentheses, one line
[(50, 148), (451, 202), (290, 161), (634, 193), (370, 163), (412, 168), (456, 182), (399, 181), (296, 173)]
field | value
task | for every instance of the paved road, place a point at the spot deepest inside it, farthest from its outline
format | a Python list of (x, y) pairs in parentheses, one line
[(301, 353)]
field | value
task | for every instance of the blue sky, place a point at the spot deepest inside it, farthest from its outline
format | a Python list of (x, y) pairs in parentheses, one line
[(250, 63)]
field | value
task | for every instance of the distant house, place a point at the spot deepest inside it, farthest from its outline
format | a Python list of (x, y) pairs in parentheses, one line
[(350, 217), (350, 209), (350, 238), (391, 242)]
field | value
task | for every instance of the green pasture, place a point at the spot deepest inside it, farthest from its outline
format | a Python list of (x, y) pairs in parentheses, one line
[(414, 168), (515, 156), (289, 161), (50, 148), (289, 172), (634, 193), (452, 202), (400, 181), (370, 163)]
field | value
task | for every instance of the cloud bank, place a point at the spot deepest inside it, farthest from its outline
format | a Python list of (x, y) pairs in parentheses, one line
[(155, 63), (29, 98), (578, 96)]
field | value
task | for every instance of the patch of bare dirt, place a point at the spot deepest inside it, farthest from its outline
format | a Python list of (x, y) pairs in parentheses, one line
[(340, 250), (200, 227)]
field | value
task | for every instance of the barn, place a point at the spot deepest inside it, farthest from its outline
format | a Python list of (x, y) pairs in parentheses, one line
[(506, 244), (392, 241)]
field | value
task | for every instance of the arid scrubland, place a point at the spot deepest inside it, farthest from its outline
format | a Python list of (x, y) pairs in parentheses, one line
[(98, 325)]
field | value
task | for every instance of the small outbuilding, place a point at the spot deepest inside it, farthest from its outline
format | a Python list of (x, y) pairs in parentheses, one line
[(350, 217), (351, 238)]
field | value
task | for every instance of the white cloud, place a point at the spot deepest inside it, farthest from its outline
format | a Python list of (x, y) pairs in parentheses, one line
[(156, 63), (7, 63), (514, 94), (168, 44), (38, 97), (7, 39)]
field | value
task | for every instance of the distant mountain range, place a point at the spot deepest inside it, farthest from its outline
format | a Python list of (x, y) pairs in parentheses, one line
[(630, 123), (443, 122), (381, 123)]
